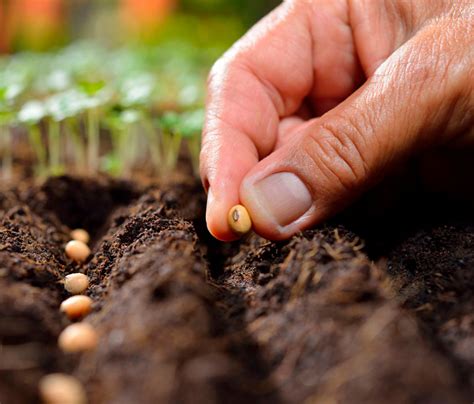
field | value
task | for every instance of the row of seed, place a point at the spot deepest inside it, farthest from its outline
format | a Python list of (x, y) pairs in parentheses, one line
[(59, 388)]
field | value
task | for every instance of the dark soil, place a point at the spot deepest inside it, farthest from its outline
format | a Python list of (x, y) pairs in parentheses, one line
[(358, 310)]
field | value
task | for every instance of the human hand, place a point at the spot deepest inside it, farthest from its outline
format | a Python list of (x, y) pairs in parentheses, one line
[(322, 98)]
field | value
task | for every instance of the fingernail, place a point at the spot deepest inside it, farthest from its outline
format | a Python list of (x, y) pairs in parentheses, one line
[(283, 196)]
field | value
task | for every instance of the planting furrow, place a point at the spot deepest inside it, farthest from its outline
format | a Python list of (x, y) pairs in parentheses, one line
[(168, 314), (326, 324), (162, 335), (33, 265)]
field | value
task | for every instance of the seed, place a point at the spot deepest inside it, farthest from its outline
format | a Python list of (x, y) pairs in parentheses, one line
[(77, 250), (76, 306), (80, 235), (78, 337), (76, 283), (239, 220), (58, 388)]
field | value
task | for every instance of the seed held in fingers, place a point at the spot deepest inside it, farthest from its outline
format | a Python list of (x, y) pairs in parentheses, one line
[(80, 235), (239, 220), (58, 388), (76, 283), (77, 250), (78, 337), (76, 306)]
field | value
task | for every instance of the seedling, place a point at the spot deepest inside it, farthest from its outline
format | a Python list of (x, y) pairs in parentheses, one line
[(76, 306), (31, 115), (77, 250), (190, 127), (239, 220), (76, 283), (78, 337), (87, 109), (6, 140), (58, 388), (170, 141)]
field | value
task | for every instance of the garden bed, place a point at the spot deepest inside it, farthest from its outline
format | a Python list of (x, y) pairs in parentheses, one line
[(352, 311)]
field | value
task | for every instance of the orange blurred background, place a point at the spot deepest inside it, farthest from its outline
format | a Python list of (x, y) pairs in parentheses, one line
[(34, 22), (40, 24)]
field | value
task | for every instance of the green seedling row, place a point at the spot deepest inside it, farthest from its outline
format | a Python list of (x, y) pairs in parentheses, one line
[(85, 109)]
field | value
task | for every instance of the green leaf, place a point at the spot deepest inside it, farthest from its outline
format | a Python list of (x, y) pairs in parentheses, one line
[(65, 105), (6, 117), (191, 123), (169, 121), (58, 80), (91, 87), (32, 112), (130, 116), (137, 90)]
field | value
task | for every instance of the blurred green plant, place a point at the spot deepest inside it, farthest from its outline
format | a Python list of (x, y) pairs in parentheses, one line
[(85, 109)]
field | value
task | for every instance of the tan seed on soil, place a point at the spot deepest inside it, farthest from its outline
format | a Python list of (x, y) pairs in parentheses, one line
[(58, 388), (76, 283), (239, 220), (76, 306), (78, 337), (77, 250), (80, 235)]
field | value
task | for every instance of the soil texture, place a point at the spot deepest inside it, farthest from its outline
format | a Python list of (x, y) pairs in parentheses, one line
[(357, 310)]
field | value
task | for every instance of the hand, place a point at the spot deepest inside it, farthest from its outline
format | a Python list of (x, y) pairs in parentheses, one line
[(322, 98)]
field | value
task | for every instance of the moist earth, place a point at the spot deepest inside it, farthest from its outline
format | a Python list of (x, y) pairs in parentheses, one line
[(357, 310)]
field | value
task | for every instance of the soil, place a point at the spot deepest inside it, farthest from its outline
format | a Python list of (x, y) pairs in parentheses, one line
[(371, 306)]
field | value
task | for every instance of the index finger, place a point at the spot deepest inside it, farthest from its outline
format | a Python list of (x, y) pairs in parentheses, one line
[(264, 77)]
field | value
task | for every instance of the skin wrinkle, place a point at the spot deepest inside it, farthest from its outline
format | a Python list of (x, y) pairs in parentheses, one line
[(320, 154), (357, 141), (339, 156)]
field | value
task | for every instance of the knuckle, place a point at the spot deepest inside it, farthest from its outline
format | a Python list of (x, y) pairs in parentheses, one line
[(336, 151)]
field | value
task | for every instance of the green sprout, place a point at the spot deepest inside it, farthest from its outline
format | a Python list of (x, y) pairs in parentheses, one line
[(191, 127), (123, 127), (8, 93), (6, 140), (86, 109), (31, 115), (96, 95), (170, 141)]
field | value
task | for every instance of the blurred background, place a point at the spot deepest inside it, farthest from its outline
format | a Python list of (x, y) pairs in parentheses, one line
[(42, 25)]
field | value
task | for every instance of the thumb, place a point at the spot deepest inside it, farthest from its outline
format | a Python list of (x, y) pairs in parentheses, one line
[(417, 98)]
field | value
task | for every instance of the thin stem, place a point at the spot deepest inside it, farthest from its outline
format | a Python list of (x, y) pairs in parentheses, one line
[(7, 160), (55, 166), (93, 143), (34, 134), (129, 149), (154, 142), (194, 147), (78, 144), (171, 146)]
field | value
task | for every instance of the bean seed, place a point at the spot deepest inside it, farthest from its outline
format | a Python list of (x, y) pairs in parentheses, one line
[(78, 337), (77, 250), (58, 388), (76, 306), (80, 235), (239, 220), (76, 283)]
